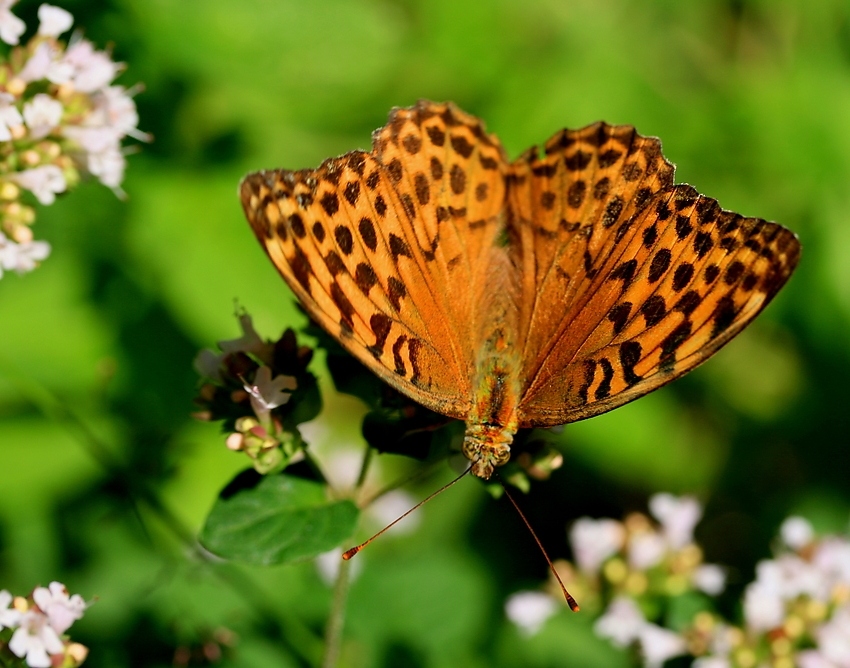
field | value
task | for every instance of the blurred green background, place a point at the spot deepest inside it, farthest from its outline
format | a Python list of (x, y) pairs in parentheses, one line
[(752, 101)]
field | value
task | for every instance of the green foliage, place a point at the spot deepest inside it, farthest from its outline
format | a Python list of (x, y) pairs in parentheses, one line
[(107, 480), (276, 519)]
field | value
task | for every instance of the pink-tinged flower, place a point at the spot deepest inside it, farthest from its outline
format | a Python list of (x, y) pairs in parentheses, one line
[(61, 610), (796, 532), (108, 166), (208, 362), (45, 63), (10, 117), (812, 658), (44, 182), (834, 638), (54, 21), (249, 342), (678, 517), (709, 578), (764, 608), (42, 114), (9, 617), (622, 622), (93, 69), (832, 558), (267, 392), (119, 112), (94, 138), (529, 610), (646, 549), (11, 27), (35, 639), (659, 644), (22, 257), (593, 541)]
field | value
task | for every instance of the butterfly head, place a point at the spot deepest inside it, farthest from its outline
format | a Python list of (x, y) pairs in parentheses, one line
[(487, 446)]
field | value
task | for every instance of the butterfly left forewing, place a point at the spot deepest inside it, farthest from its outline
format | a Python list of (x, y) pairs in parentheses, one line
[(683, 279), (386, 249)]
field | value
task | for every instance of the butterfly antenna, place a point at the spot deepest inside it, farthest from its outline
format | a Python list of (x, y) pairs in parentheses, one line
[(354, 550), (570, 600)]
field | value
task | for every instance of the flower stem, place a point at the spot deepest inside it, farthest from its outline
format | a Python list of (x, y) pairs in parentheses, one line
[(336, 620)]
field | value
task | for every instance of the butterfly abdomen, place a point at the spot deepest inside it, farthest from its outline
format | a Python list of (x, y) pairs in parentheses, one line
[(491, 425)]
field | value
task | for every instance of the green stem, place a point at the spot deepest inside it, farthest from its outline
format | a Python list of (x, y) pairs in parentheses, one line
[(364, 467), (336, 620)]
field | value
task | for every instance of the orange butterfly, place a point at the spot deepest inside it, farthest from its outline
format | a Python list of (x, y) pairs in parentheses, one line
[(515, 294)]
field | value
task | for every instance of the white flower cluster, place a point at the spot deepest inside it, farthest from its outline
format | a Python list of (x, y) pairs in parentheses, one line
[(38, 626), (796, 613), (60, 117)]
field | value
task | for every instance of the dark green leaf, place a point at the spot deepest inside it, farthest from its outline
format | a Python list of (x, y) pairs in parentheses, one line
[(276, 519)]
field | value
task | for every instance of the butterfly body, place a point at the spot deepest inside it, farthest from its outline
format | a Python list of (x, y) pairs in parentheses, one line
[(515, 294)]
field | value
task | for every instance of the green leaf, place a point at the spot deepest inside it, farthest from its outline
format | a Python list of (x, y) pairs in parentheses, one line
[(276, 519)]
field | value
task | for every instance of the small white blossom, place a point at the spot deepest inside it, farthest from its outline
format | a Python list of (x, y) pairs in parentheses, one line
[(9, 116), (709, 578), (796, 532), (46, 63), (11, 27), (54, 21), (712, 662), (9, 617), (267, 392), (119, 112), (93, 69), (44, 182), (678, 517), (622, 622), (36, 639), (593, 541), (659, 644), (529, 610), (62, 610), (42, 114), (790, 576), (763, 607), (646, 549), (21, 257), (108, 166)]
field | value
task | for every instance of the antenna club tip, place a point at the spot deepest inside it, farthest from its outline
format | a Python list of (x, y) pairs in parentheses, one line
[(350, 553), (574, 606)]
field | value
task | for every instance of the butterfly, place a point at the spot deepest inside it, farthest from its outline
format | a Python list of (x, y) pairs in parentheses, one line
[(519, 294)]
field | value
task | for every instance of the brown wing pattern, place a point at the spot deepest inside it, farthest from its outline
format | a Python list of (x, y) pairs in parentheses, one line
[(566, 209), (386, 250), (683, 277), (611, 282)]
